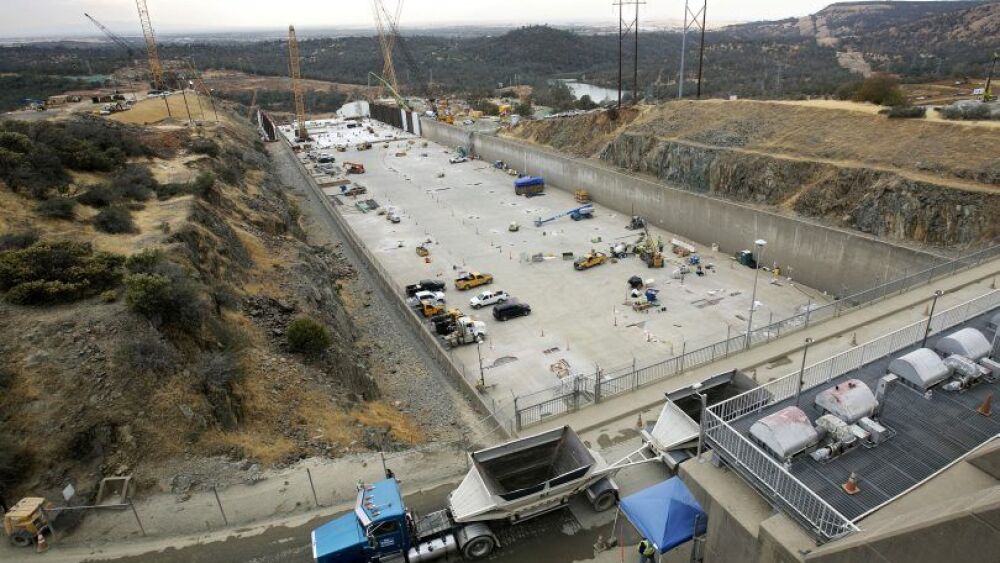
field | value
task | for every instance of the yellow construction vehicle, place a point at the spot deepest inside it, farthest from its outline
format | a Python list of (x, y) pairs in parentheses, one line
[(25, 520), (590, 260), (429, 308), (471, 280), (582, 196)]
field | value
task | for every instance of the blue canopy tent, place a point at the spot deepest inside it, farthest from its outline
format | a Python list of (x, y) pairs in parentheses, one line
[(665, 514)]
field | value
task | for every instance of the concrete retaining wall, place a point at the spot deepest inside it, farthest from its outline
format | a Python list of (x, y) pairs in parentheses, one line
[(833, 260)]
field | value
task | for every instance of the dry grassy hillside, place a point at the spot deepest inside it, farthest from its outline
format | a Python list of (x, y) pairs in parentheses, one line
[(171, 339), (922, 180)]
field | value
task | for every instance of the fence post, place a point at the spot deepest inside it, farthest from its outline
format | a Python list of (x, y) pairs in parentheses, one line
[(683, 353), (517, 415), (576, 393), (597, 387), (809, 307), (219, 502), (635, 375), (312, 487), (137, 520), (729, 329)]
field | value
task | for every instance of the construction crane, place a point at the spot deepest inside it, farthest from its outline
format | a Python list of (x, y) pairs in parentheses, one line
[(253, 104), (155, 68), (385, 25), (117, 40), (384, 83), (988, 91), (114, 37), (293, 63), (198, 83)]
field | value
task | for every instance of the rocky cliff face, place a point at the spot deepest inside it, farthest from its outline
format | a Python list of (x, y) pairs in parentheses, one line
[(881, 203)]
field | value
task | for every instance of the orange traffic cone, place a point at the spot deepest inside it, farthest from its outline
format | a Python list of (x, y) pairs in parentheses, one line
[(41, 544), (851, 486), (986, 409)]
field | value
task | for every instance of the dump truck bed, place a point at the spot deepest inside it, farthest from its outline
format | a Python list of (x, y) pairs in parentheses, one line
[(510, 477)]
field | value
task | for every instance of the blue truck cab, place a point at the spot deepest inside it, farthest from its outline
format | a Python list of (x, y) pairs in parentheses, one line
[(377, 529)]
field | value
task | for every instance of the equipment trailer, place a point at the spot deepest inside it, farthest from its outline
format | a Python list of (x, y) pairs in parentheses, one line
[(511, 483)]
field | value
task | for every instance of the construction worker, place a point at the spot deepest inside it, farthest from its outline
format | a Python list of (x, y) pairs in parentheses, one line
[(646, 551)]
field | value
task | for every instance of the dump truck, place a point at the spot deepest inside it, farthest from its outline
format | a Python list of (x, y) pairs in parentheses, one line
[(25, 520), (506, 485), (465, 331)]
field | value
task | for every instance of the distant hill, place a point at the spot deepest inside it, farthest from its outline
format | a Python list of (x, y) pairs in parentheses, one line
[(918, 40), (795, 57)]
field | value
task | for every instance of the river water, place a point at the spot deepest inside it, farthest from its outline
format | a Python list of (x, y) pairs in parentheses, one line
[(597, 93)]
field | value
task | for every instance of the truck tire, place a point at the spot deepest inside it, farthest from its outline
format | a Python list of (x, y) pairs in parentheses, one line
[(478, 548), (604, 501), (22, 538)]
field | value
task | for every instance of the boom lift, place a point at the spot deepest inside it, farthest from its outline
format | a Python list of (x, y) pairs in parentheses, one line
[(577, 214)]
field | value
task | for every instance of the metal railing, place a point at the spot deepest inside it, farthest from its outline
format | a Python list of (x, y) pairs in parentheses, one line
[(583, 390), (770, 477)]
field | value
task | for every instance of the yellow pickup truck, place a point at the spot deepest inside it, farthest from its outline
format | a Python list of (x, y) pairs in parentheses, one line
[(472, 279)]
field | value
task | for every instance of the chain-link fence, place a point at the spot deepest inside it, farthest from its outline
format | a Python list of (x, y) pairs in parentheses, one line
[(582, 390), (773, 479)]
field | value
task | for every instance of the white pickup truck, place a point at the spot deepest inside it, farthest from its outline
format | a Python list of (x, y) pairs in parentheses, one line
[(422, 296), (487, 298)]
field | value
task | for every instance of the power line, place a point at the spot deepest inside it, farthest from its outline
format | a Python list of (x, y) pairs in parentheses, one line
[(623, 31), (692, 20)]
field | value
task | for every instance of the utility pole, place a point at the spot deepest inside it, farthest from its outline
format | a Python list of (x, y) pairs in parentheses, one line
[(988, 92), (692, 20), (623, 30)]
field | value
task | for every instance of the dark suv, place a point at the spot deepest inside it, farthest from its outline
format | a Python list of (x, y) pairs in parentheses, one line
[(506, 311)]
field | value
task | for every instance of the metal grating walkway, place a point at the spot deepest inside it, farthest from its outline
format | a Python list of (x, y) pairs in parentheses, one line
[(930, 434)]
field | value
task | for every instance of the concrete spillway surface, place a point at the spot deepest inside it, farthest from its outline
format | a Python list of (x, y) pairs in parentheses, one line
[(579, 320)]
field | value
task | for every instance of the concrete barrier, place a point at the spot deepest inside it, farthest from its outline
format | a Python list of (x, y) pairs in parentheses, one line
[(838, 261)]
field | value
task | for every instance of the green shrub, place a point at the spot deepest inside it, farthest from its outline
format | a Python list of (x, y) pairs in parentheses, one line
[(967, 111), (114, 220), (146, 354), (905, 112), (56, 272), (145, 262), (168, 297), (136, 182), (109, 296), (18, 240), (15, 461), (307, 336), (880, 89), (6, 377), (203, 184), (57, 207), (99, 196), (206, 147)]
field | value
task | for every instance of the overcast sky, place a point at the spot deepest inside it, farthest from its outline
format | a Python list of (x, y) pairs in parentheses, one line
[(22, 18)]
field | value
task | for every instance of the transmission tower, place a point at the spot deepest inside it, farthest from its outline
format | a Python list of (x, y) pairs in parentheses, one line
[(293, 63), (155, 68), (692, 20), (624, 28)]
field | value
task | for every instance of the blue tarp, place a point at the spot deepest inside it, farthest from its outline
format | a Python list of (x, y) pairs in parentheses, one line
[(665, 514), (529, 181)]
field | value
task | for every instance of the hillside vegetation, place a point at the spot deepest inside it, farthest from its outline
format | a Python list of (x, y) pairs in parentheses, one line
[(784, 59), (193, 320), (835, 165)]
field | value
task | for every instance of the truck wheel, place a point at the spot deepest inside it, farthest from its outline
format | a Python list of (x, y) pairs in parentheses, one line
[(22, 538), (478, 548), (604, 501)]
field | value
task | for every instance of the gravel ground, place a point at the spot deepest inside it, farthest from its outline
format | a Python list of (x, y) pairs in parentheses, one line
[(405, 373)]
